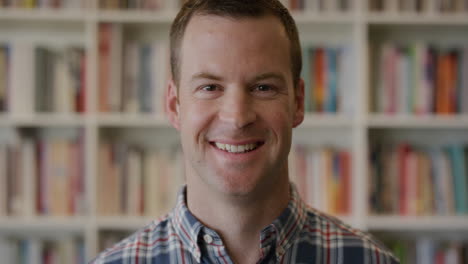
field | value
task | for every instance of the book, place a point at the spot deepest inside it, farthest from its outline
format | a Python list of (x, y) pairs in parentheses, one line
[(460, 181), (4, 65), (21, 90), (323, 177)]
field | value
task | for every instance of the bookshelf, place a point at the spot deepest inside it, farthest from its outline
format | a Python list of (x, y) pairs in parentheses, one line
[(361, 29)]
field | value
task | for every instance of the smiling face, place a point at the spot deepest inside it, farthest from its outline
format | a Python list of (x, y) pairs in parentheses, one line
[(235, 106)]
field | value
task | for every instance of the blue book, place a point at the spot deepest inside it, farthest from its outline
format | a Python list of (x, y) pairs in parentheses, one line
[(331, 55), (459, 170), (305, 75)]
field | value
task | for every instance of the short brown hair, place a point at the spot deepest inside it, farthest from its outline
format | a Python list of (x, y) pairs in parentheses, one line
[(234, 9)]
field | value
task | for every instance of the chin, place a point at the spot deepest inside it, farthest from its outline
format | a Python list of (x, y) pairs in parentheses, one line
[(236, 185)]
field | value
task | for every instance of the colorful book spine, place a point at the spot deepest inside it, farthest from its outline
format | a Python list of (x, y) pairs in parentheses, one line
[(420, 79), (409, 180), (323, 177)]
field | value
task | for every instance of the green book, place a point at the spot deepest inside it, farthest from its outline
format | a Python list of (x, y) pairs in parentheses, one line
[(458, 163)]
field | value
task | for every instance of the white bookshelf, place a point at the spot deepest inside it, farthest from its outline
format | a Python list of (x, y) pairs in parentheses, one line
[(358, 28)]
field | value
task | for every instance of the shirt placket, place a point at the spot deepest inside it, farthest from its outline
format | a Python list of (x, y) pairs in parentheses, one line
[(213, 249)]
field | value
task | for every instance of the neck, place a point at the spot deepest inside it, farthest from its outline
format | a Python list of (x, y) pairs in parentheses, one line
[(238, 219)]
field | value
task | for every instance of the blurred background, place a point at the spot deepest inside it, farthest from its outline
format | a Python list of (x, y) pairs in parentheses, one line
[(87, 156)]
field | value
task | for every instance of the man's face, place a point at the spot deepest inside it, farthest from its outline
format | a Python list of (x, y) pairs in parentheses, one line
[(236, 103)]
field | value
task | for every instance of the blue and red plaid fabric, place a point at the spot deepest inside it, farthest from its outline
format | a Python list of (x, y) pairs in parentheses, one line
[(299, 235)]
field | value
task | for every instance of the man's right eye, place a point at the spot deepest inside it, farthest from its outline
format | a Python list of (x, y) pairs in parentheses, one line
[(209, 88)]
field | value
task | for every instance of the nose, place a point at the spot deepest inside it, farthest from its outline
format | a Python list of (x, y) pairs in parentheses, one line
[(237, 108)]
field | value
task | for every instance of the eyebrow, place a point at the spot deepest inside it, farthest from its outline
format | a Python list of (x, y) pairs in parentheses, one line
[(263, 76), (205, 75), (269, 75)]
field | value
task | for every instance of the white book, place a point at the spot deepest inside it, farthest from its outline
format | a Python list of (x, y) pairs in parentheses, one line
[(131, 104), (34, 251), (29, 176), (115, 71), (63, 90), (22, 72)]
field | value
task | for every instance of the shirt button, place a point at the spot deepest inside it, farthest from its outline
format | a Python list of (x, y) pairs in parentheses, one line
[(208, 239)]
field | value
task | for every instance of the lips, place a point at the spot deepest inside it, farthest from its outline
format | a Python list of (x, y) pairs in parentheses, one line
[(237, 148)]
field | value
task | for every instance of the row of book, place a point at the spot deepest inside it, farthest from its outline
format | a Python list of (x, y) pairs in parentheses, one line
[(422, 79), (407, 180), (419, 5), (429, 251), (131, 4), (319, 5), (138, 84), (42, 251), (42, 3), (137, 181), (42, 177), (327, 74), (323, 177), (42, 79)]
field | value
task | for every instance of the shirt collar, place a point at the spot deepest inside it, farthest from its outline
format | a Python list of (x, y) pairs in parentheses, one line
[(282, 231), (186, 226)]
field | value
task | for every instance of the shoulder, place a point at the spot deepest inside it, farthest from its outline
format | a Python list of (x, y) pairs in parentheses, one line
[(336, 237), (145, 243)]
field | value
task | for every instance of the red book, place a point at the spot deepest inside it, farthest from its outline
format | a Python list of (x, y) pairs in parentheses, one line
[(345, 185)]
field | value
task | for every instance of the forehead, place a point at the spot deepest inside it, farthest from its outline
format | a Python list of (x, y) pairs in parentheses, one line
[(237, 42)]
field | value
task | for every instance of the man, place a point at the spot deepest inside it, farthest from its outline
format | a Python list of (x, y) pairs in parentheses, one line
[(235, 96)]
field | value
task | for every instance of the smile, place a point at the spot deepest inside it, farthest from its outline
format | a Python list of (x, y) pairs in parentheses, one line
[(237, 148)]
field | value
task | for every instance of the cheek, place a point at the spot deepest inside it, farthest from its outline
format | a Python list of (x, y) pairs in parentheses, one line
[(195, 118)]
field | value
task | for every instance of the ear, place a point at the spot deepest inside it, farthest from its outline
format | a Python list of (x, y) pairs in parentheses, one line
[(172, 105), (299, 104)]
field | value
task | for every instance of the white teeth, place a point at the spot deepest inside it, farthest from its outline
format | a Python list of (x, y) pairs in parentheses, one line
[(236, 148), (220, 146)]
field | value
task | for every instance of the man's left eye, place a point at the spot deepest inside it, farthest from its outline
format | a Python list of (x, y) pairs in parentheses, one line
[(264, 88)]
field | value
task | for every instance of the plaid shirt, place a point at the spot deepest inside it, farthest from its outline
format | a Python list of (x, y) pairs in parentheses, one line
[(299, 235)]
